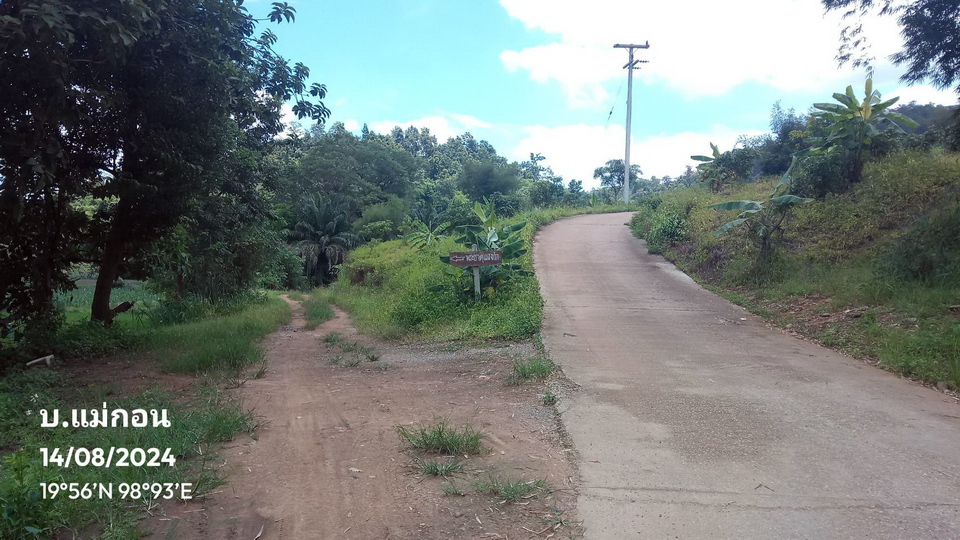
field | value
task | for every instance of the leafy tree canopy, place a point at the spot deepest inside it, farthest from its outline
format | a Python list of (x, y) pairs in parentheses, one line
[(931, 31)]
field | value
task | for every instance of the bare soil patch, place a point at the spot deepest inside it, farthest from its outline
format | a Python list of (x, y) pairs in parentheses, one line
[(328, 461)]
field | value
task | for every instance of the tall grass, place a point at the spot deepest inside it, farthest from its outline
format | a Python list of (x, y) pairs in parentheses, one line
[(317, 311), (219, 343)]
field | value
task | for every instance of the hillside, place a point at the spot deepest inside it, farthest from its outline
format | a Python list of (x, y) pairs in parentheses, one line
[(873, 271)]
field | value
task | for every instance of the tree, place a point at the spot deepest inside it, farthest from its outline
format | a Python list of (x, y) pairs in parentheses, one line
[(931, 48), (480, 179), (611, 175), (137, 102), (853, 125), (323, 239)]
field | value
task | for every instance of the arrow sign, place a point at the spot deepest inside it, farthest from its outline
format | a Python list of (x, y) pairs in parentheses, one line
[(476, 258)]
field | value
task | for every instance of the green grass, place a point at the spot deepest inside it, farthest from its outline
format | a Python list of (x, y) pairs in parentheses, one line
[(440, 438), (438, 468), (208, 418), (332, 338), (535, 368), (508, 490), (549, 398), (316, 311), (220, 343)]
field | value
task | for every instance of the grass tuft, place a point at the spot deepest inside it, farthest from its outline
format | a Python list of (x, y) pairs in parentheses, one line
[(438, 468), (508, 490), (441, 438), (536, 368)]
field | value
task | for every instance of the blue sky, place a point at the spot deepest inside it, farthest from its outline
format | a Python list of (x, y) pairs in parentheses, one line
[(542, 75)]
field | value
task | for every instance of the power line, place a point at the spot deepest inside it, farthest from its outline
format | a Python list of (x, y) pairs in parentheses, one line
[(614, 102)]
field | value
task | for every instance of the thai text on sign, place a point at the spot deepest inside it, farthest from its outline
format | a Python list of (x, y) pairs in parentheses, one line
[(476, 258)]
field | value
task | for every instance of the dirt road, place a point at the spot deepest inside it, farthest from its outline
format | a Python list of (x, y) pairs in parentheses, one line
[(695, 420), (327, 461)]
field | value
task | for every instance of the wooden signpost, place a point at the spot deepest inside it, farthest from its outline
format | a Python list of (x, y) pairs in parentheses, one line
[(475, 259)]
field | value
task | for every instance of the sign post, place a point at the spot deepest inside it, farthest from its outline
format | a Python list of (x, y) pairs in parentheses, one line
[(476, 278), (475, 259)]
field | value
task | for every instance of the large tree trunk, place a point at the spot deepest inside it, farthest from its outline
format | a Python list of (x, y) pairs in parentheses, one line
[(109, 264)]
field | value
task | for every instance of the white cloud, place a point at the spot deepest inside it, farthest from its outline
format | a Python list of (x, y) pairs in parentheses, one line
[(574, 151), (351, 125), (441, 126), (697, 48)]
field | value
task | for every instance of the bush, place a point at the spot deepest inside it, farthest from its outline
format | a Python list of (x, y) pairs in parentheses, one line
[(668, 229), (818, 175), (929, 252)]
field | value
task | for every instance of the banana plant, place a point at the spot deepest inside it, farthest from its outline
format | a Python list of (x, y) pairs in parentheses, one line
[(713, 171), (852, 125), (490, 236), (423, 236), (764, 219)]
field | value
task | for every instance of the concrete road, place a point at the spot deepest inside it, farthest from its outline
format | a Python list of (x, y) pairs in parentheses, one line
[(695, 420)]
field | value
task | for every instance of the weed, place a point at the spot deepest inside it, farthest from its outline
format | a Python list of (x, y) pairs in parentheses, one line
[(549, 398), (532, 369), (438, 468), (383, 366), (508, 490), (451, 489), (440, 438), (332, 338)]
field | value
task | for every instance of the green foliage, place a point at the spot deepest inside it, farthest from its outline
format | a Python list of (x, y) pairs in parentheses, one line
[(852, 125), (536, 368), (612, 176), (929, 251), (667, 229), (317, 311), (226, 343), (323, 239), (720, 169), (438, 468), (491, 236), (508, 490), (424, 237), (485, 178), (441, 438), (764, 219)]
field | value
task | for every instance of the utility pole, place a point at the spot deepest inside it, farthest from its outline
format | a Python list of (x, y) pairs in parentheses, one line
[(629, 66)]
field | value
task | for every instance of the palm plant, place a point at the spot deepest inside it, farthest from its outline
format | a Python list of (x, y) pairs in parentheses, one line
[(323, 239)]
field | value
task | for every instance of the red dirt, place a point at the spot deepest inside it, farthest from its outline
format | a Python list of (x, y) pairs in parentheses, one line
[(328, 462)]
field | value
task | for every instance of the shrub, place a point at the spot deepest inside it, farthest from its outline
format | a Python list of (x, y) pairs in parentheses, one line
[(668, 228), (929, 252)]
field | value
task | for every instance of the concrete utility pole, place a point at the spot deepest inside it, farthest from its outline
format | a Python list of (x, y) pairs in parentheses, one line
[(629, 66)]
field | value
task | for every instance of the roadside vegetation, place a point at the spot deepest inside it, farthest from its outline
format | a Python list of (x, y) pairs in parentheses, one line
[(865, 259)]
